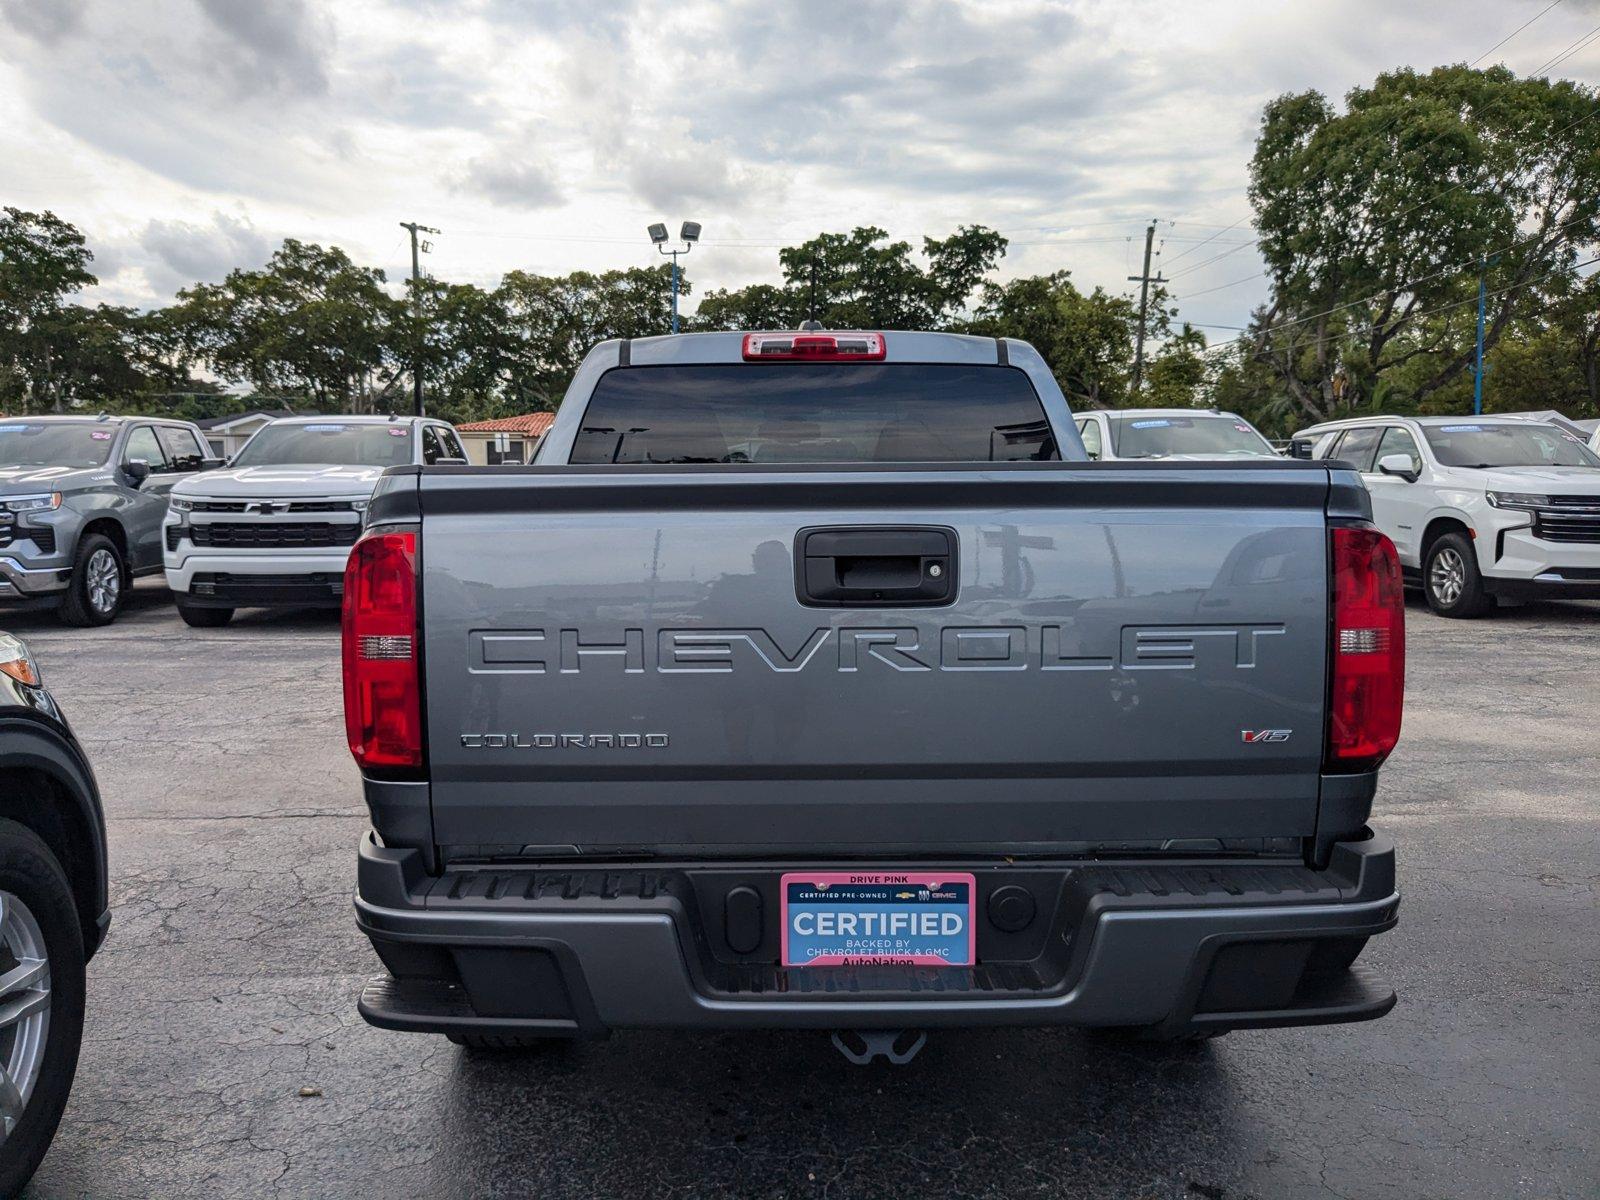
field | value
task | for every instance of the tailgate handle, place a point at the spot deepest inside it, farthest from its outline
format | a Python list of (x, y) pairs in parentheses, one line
[(865, 566)]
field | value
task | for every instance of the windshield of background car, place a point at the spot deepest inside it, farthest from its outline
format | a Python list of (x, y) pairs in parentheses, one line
[(814, 413), (1157, 437), (55, 443), (327, 444), (1477, 444)]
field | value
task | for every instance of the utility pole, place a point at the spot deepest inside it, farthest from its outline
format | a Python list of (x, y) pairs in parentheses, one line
[(416, 305), (1144, 281)]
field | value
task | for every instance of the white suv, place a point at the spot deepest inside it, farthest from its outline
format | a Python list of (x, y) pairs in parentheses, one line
[(1479, 508), (274, 527)]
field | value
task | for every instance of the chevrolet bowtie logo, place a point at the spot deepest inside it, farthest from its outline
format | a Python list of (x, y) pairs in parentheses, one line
[(266, 508)]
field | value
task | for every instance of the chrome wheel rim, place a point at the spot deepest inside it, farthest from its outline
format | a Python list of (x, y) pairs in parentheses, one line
[(104, 580), (1448, 576), (24, 1008)]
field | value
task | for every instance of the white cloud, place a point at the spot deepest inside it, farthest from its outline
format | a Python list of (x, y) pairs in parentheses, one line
[(270, 45), (514, 179), (46, 21), (176, 132)]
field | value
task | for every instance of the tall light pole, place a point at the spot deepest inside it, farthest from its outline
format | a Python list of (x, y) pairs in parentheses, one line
[(688, 234)]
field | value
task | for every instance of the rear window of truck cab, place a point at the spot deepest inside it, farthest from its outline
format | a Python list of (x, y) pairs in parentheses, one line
[(814, 413)]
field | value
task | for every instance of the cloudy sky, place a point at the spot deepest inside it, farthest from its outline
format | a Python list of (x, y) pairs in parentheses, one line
[(189, 136)]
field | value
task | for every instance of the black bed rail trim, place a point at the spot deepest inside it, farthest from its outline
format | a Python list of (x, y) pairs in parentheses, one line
[(1090, 486)]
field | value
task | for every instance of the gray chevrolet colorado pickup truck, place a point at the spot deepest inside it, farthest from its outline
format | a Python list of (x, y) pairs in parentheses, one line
[(818, 680), (81, 505)]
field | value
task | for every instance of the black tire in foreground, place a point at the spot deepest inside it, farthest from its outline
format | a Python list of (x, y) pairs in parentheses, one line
[(204, 618), (46, 978), (1451, 579), (99, 583)]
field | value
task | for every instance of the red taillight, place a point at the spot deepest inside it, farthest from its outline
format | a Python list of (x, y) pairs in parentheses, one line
[(1368, 652), (382, 692), (814, 347)]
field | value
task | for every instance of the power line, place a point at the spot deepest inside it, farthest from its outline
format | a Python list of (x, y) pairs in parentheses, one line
[(1239, 344), (1402, 213), (750, 244), (1322, 172), (1581, 44), (1514, 32)]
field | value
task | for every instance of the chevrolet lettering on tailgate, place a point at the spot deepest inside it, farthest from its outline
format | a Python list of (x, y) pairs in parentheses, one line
[(853, 648)]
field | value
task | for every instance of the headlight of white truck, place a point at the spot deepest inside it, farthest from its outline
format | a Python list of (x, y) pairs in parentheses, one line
[(1523, 500), (179, 504)]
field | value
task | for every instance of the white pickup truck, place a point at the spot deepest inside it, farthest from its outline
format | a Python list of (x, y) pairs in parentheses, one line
[(1478, 507), (274, 528)]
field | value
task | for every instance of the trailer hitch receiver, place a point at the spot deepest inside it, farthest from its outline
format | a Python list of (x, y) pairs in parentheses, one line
[(861, 1046)]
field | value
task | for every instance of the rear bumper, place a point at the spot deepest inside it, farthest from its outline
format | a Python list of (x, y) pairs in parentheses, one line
[(1159, 945)]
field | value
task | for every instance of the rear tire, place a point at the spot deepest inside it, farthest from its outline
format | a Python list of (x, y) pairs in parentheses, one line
[(1451, 579), (99, 583), (204, 618), (39, 908)]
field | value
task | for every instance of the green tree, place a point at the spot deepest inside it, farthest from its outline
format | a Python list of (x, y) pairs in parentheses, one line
[(1088, 340), (759, 306), (1374, 219), (552, 321), (1176, 373), (310, 324), (861, 280), (468, 351), (43, 260), (1085, 338)]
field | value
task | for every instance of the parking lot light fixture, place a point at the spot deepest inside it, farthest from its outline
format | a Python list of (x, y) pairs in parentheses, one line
[(688, 234)]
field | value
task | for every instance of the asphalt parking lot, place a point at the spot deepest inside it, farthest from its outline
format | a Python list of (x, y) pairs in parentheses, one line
[(230, 978)]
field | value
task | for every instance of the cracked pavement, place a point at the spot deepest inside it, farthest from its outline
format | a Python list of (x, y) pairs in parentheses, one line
[(230, 978)]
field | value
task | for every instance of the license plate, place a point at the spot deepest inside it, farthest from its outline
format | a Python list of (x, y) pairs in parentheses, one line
[(890, 918)]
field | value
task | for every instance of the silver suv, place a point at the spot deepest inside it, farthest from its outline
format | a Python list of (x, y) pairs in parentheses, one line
[(81, 505)]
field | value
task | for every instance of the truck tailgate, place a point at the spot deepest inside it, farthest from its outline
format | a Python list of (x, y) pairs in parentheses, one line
[(620, 661)]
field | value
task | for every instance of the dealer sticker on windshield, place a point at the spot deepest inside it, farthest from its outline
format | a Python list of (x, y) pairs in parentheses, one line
[(865, 919)]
